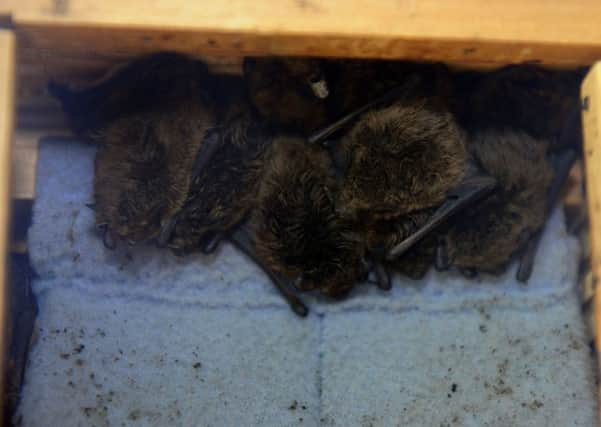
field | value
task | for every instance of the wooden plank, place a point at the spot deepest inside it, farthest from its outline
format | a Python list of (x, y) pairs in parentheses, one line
[(38, 66), (77, 40), (25, 158), (24, 161), (470, 31), (591, 119), (7, 106)]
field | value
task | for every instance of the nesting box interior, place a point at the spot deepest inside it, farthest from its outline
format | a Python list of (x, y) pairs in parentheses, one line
[(140, 336)]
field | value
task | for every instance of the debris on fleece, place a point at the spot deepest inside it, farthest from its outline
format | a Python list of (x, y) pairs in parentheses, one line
[(141, 336)]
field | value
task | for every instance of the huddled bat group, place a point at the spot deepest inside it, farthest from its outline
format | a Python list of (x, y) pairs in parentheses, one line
[(330, 173)]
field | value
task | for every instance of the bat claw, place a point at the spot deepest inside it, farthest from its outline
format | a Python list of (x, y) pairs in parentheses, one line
[(441, 261), (166, 232), (523, 273), (212, 244), (526, 263), (382, 276), (299, 308), (383, 280), (108, 239)]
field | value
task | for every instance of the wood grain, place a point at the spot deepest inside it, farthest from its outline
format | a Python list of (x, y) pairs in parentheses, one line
[(591, 119), (7, 106), (36, 67), (24, 161), (470, 31), (75, 40)]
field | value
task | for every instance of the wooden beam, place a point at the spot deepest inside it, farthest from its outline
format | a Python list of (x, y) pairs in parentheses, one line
[(467, 31), (591, 120), (24, 161), (7, 107), (36, 67)]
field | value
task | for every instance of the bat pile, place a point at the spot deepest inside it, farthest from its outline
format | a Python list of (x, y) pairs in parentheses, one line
[(329, 173)]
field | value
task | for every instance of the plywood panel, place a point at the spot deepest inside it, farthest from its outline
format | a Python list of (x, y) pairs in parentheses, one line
[(24, 160), (472, 31), (7, 85), (591, 119), (38, 66), (77, 39)]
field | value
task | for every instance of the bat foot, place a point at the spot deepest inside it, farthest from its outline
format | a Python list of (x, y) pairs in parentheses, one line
[(108, 238), (383, 280), (242, 239), (526, 263), (441, 260), (320, 88), (299, 307), (523, 273), (166, 232)]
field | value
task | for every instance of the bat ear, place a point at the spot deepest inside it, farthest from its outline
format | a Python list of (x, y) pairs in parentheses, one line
[(58, 90), (248, 65), (383, 280)]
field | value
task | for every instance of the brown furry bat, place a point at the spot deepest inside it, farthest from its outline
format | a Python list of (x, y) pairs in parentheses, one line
[(486, 236), (149, 118), (288, 92), (297, 231)]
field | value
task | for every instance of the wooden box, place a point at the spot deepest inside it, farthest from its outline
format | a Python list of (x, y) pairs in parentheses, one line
[(76, 40)]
